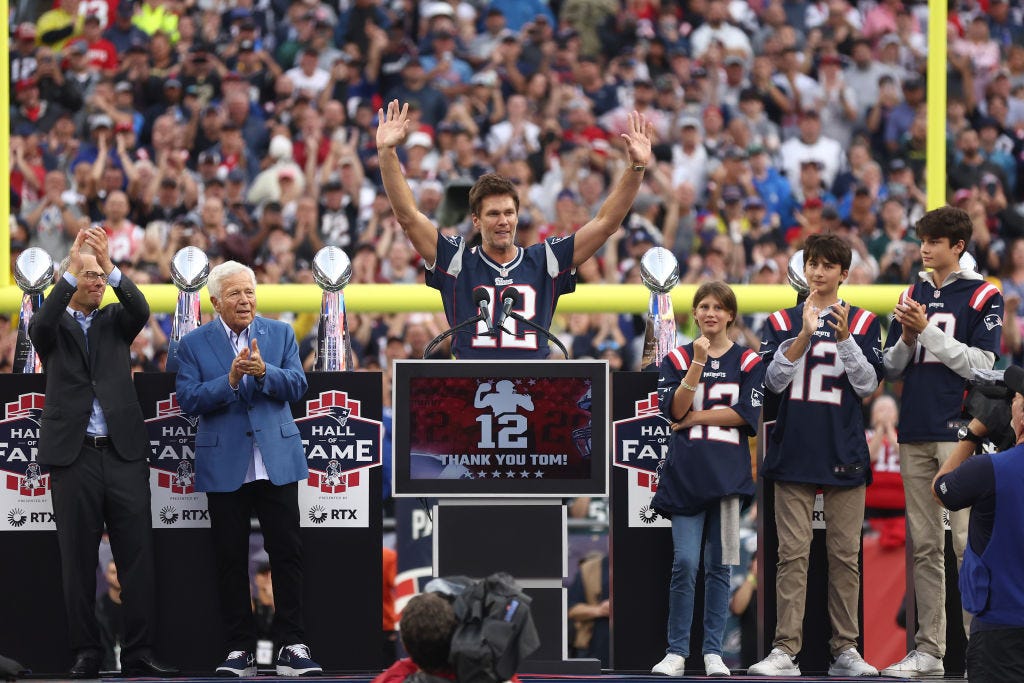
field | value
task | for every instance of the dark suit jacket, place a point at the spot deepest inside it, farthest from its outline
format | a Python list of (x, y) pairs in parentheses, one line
[(75, 375)]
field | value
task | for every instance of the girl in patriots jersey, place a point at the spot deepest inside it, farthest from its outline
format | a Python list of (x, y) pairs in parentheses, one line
[(711, 390), (824, 357)]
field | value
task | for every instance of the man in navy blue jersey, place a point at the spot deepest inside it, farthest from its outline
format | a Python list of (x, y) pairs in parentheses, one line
[(945, 324), (540, 273), (824, 357)]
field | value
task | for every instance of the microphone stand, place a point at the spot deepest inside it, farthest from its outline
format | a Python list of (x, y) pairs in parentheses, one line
[(436, 341), (530, 323)]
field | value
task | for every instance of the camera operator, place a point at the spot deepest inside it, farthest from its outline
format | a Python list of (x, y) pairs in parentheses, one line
[(992, 575)]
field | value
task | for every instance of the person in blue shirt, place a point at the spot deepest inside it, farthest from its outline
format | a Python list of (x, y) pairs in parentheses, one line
[(992, 575), (824, 357), (540, 273), (944, 325), (711, 390)]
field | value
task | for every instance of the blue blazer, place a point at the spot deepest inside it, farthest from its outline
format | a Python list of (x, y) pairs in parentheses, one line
[(230, 421)]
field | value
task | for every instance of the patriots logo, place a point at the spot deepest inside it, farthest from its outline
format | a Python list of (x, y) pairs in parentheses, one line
[(756, 398), (453, 239), (992, 320), (878, 352)]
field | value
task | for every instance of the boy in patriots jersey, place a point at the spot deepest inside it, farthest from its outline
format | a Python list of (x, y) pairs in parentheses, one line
[(824, 358), (711, 390), (540, 273), (945, 324)]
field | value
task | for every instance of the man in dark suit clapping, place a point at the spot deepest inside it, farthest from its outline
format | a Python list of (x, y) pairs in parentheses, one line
[(94, 439)]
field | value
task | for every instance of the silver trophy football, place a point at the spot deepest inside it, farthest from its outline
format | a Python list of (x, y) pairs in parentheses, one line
[(797, 277), (332, 270), (190, 269), (659, 271), (33, 271)]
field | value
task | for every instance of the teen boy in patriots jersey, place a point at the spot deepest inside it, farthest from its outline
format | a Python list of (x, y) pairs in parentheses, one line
[(824, 356), (945, 324), (711, 390), (541, 273)]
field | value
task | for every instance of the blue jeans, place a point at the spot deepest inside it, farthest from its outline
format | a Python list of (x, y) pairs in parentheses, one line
[(687, 534)]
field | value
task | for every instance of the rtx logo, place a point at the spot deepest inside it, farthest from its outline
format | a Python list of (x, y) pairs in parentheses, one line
[(317, 514), (168, 515), (17, 518)]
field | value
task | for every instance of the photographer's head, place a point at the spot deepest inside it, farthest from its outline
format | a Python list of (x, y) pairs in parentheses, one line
[(428, 623)]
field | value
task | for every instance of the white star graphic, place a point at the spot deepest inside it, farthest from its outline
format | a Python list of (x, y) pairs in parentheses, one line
[(524, 475), (538, 474), (495, 474), (510, 474)]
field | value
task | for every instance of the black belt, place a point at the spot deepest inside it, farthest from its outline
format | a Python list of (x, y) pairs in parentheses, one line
[(98, 442)]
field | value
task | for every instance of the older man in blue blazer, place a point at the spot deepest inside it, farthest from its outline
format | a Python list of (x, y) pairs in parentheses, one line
[(238, 373)]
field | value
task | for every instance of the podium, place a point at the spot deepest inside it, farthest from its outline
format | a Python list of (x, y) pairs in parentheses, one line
[(340, 509), (500, 445)]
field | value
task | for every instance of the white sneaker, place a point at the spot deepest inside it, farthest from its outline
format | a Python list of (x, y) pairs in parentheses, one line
[(916, 664), (850, 663), (714, 666), (777, 663), (672, 665)]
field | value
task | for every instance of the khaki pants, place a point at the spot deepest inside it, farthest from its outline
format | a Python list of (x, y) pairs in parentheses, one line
[(844, 517), (919, 463)]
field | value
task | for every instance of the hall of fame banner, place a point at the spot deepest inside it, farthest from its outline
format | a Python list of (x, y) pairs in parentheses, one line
[(640, 444), (524, 428), (341, 447), (174, 501), (25, 502)]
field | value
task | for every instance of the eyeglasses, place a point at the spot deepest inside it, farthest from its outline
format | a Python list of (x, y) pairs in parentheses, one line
[(90, 276)]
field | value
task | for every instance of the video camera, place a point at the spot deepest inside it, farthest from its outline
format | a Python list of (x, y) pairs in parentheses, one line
[(988, 400)]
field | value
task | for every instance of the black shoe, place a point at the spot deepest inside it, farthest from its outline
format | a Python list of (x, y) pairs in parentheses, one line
[(87, 665), (146, 665)]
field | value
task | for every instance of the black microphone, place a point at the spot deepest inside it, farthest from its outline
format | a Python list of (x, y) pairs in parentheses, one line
[(509, 298), (481, 297)]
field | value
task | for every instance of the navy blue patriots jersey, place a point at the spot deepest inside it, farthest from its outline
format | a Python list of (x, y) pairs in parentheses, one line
[(970, 311), (541, 273), (706, 463), (818, 434)]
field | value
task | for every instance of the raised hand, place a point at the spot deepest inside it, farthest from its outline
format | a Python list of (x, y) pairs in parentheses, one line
[(96, 239), (810, 319), (75, 256), (238, 368), (701, 345), (638, 137), (394, 126), (256, 367), (912, 316), (841, 315)]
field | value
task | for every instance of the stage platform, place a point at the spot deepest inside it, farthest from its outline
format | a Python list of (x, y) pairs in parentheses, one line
[(526, 678)]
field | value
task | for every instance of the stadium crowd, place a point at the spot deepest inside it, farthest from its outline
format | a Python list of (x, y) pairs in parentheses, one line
[(247, 129)]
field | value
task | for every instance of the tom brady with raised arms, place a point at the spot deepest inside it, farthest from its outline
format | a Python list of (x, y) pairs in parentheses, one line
[(510, 288)]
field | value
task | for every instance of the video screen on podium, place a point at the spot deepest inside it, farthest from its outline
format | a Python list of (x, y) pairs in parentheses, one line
[(500, 428)]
